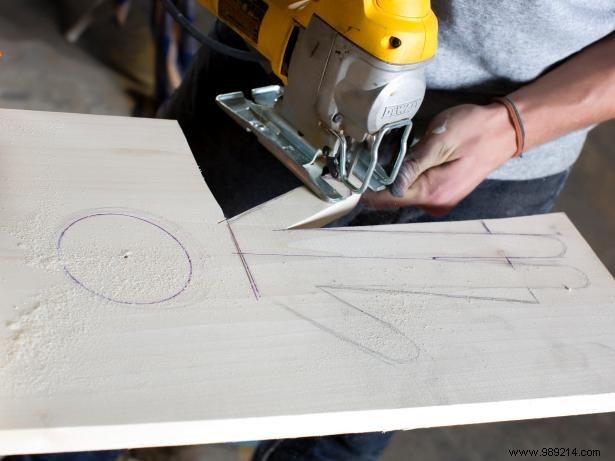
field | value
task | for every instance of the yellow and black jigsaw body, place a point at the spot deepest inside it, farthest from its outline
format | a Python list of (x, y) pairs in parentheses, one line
[(353, 72)]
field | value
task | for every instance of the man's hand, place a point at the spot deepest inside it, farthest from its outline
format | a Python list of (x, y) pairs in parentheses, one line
[(462, 145), (466, 143)]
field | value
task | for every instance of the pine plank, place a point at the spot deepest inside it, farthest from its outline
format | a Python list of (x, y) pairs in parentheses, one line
[(133, 314)]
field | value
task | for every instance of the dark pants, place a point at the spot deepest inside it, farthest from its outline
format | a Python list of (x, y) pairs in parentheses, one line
[(350, 447), (242, 174)]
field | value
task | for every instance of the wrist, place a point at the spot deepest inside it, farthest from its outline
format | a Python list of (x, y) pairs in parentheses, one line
[(501, 130), (516, 121)]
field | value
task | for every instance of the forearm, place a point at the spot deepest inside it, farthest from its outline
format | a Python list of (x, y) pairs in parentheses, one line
[(576, 94), (464, 144)]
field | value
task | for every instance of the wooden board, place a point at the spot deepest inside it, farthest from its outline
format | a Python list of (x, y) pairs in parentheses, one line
[(133, 314)]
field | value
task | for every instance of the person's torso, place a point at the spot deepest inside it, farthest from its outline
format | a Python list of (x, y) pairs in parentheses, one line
[(490, 48), (494, 46)]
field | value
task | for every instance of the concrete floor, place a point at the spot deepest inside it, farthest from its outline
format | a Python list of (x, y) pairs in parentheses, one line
[(41, 71)]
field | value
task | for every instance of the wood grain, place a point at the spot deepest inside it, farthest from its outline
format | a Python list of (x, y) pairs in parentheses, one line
[(133, 314)]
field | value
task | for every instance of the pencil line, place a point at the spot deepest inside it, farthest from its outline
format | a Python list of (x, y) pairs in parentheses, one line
[(359, 230), (251, 279), (467, 258), (505, 256)]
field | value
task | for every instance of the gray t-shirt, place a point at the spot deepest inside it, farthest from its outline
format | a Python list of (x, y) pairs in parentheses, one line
[(488, 48)]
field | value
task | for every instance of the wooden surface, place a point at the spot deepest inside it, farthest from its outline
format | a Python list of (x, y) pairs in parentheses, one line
[(133, 314)]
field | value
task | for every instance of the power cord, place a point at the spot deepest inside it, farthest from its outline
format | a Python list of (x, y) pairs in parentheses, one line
[(208, 41)]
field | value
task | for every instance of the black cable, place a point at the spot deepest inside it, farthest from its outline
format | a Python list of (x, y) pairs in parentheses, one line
[(208, 41)]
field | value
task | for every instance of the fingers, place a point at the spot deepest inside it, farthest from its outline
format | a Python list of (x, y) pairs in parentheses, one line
[(445, 166), (433, 150), (385, 199), (437, 191), (422, 157)]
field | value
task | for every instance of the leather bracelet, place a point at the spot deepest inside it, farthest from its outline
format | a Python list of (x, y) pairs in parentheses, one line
[(515, 118)]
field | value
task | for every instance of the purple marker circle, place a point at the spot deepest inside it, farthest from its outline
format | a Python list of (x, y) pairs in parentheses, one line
[(174, 261)]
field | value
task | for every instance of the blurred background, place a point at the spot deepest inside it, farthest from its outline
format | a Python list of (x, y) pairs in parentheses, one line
[(105, 57)]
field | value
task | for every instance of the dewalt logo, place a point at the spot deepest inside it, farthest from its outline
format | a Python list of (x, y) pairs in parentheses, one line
[(401, 109)]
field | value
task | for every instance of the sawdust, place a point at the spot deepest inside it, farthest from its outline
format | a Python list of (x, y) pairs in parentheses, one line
[(124, 258), (50, 130), (43, 335), (30, 328), (440, 129)]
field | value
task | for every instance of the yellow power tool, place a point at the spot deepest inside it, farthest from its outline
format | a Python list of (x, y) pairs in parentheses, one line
[(353, 73)]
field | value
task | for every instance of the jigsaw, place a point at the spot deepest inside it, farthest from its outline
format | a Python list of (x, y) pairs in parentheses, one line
[(353, 73)]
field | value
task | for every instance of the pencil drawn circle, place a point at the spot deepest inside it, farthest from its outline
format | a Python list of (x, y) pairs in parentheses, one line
[(124, 258)]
